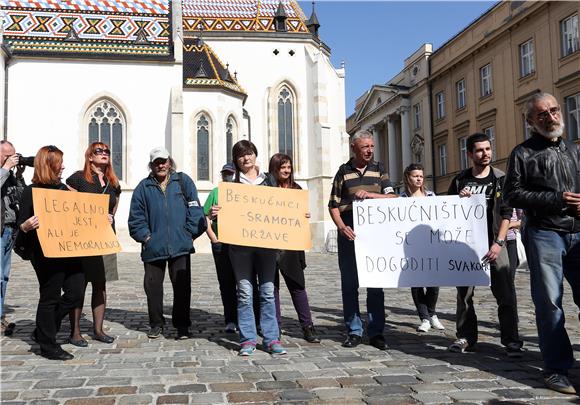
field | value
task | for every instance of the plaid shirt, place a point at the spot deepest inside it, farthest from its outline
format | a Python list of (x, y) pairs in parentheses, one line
[(349, 180)]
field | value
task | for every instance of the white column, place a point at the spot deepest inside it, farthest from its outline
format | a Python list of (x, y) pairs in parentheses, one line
[(405, 136), (393, 161), (377, 139)]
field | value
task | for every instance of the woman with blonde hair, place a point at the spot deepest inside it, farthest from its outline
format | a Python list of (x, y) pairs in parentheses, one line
[(425, 298), (97, 176), (54, 275)]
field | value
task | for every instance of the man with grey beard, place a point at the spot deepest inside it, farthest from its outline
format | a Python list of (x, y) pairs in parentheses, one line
[(543, 178)]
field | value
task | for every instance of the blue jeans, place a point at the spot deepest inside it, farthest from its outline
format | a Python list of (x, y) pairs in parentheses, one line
[(349, 286), (247, 261), (551, 257), (7, 244)]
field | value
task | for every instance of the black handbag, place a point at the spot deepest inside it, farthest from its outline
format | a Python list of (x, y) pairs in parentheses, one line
[(23, 246)]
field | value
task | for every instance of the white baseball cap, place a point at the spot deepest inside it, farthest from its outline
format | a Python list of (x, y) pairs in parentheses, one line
[(158, 153)]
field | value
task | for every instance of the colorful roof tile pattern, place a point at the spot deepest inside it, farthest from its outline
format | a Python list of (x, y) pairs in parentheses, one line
[(202, 68), (240, 15), (115, 6), (83, 27)]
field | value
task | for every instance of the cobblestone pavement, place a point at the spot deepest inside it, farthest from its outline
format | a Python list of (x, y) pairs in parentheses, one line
[(206, 369)]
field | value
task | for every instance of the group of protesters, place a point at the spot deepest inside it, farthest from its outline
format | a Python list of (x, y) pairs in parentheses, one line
[(542, 181)]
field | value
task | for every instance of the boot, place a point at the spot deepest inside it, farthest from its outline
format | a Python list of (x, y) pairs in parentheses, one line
[(310, 334)]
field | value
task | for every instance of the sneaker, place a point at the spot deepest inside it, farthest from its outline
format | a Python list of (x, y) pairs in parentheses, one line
[(514, 350), (425, 326), (559, 383), (436, 323), (155, 332), (182, 333), (247, 350), (231, 327), (276, 348), (460, 346), (7, 327)]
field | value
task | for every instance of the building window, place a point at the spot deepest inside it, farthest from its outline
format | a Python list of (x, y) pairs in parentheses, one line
[(417, 116), (490, 132), (569, 30), (460, 86), (442, 159), (440, 102), (203, 129), (463, 162), (573, 116), (230, 128), (485, 76), (527, 64), (285, 122), (107, 125)]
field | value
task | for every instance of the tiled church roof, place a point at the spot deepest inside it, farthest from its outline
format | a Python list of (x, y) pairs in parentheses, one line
[(240, 15), (203, 69), (87, 28)]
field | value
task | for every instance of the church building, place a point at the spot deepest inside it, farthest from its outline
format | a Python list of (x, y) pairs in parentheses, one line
[(194, 76)]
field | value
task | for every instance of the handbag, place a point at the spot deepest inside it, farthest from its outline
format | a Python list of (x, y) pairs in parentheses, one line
[(522, 259), (23, 246)]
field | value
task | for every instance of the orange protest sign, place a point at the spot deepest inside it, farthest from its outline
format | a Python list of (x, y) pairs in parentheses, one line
[(268, 217), (73, 224)]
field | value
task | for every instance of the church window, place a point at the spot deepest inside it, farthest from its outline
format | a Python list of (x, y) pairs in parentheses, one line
[(107, 125), (230, 128), (203, 128), (285, 121)]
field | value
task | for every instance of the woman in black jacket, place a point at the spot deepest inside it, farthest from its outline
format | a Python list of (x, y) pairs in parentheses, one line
[(54, 275), (291, 263)]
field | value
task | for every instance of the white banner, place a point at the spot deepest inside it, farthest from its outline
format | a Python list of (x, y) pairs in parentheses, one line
[(421, 242)]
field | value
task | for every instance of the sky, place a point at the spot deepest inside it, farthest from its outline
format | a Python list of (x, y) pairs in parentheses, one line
[(373, 38)]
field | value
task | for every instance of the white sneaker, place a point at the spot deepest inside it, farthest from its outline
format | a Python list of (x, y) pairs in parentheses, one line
[(436, 323), (425, 326)]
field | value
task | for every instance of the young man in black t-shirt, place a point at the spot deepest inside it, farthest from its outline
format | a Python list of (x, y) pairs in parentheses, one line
[(482, 178)]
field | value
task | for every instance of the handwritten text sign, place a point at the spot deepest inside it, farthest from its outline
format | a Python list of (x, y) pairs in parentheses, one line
[(73, 224), (269, 217), (421, 242)]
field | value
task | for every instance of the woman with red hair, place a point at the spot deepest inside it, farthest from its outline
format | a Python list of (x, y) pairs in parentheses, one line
[(97, 177), (54, 275)]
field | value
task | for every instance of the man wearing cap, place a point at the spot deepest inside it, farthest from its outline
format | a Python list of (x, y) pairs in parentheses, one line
[(165, 217), (221, 257)]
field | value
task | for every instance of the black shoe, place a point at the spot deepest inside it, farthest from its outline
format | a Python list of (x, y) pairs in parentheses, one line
[(378, 342), (182, 333), (7, 327), (104, 338), (33, 336), (57, 354), (155, 332), (78, 343), (310, 334), (352, 341)]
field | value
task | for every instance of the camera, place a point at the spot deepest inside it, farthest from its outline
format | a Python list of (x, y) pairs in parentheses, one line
[(25, 160)]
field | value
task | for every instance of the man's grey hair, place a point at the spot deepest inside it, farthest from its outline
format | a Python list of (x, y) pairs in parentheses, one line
[(360, 134), (531, 103)]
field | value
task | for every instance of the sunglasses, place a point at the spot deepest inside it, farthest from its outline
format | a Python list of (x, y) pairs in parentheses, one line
[(101, 151)]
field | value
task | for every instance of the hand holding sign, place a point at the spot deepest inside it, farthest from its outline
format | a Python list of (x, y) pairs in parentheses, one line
[(73, 224)]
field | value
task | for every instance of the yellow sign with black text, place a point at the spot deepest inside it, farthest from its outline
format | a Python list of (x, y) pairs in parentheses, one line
[(73, 224), (269, 217)]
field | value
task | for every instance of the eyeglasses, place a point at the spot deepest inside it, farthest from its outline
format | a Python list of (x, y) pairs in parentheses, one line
[(101, 151), (158, 162), (544, 114), (52, 148)]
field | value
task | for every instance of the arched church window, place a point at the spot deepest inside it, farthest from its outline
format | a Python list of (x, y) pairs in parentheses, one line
[(203, 128), (285, 121), (107, 124), (230, 128)]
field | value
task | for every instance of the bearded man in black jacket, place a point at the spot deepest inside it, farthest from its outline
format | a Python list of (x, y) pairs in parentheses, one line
[(543, 178)]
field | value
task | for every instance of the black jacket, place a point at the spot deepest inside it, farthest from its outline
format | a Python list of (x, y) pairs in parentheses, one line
[(539, 172)]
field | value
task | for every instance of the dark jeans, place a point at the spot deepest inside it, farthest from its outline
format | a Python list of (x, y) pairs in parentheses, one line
[(512, 249), (425, 299), (54, 276), (227, 281), (503, 289), (180, 275), (349, 287), (553, 256), (299, 299)]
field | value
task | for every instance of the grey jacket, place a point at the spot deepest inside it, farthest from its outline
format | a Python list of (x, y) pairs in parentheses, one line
[(12, 188)]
